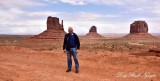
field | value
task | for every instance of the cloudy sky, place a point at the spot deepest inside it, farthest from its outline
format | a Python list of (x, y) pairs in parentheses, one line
[(110, 16)]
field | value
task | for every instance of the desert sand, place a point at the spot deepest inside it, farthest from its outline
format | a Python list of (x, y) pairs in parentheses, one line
[(100, 60)]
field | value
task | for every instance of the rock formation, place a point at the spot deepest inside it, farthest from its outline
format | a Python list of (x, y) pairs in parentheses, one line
[(139, 27), (53, 24), (139, 30), (93, 29), (93, 32), (54, 30)]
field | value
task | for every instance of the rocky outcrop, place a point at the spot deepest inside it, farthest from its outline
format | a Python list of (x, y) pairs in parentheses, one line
[(139, 27), (53, 24), (93, 33), (54, 30), (139, 30), (93, 29)]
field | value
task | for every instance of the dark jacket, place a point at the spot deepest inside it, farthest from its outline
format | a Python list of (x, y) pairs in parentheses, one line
[(67, 43)]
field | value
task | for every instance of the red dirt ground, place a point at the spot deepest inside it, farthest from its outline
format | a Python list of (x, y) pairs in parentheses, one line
[(24, 64)]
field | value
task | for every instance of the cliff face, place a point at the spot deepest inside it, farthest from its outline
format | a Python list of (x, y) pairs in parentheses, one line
[(138, 27), (53, 24)]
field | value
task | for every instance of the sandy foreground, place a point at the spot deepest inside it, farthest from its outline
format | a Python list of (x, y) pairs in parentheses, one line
[(19, 63)]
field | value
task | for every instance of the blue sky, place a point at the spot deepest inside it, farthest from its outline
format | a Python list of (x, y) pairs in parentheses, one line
[(109, 16)]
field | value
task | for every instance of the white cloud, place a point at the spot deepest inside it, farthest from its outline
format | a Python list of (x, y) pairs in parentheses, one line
[(16, 11), (132, 5), (102, 27), (89, 16), (45, 13), (82, 21), (73, 2), (84, 2), (16, 20), (137, 3), (19, 3)]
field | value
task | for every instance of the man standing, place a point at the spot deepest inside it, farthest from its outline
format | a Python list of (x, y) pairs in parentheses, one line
[(71, 44)]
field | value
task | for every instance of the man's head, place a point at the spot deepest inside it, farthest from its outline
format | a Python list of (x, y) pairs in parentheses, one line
[(70, 30)]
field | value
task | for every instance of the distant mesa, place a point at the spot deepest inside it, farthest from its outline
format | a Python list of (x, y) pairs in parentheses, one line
[(54, 30), (138, 27), (93, 29), (93, 33)]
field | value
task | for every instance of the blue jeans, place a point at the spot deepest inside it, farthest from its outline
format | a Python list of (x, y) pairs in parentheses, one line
[(70, 53)]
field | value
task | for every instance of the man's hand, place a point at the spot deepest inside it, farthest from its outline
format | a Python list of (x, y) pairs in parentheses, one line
[(64, 51), (77, 48), (77, 51)]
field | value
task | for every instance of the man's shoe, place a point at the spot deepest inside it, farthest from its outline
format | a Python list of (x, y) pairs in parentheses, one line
[(77, 71), (68, 70)]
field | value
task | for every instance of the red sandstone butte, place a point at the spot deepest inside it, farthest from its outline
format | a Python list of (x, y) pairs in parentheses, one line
[(93, 32), (139, 27), (139, 30), (54, 30)]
